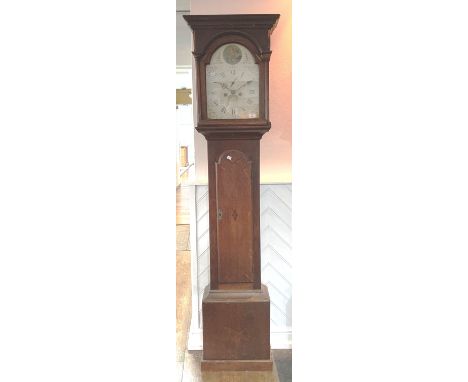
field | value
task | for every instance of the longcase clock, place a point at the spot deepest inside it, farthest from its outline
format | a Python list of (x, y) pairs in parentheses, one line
[(232, 54)]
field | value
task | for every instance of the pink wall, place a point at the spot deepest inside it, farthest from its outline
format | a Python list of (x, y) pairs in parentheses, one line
[(276, 144)]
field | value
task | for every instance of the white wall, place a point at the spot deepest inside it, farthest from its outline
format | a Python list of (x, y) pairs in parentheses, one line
[(183, 41), (184, 119)]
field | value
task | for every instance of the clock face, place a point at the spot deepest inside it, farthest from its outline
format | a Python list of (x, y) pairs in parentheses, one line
[(232, 85)]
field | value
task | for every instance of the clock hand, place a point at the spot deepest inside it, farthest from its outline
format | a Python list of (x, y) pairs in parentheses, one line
[(232, 83), (240, 87), (223, 85)]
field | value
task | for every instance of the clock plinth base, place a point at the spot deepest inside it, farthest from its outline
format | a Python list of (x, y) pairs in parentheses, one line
[(236, 330), (237, 365)]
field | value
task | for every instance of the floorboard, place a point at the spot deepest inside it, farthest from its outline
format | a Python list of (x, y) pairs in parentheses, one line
[(183, 277), (183, 205)]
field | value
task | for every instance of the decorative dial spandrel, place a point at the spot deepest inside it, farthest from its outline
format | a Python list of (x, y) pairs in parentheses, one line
[(232, 84)]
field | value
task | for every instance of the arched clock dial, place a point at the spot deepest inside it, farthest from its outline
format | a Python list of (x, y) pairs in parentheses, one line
[(232, 84)]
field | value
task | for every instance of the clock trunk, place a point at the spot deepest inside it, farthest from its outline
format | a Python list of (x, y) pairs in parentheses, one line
[(233, 179)]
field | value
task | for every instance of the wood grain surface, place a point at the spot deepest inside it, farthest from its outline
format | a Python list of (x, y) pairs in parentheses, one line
[(234, 224), (192, 372)]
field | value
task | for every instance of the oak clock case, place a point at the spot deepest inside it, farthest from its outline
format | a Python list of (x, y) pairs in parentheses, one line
[(232, 54)]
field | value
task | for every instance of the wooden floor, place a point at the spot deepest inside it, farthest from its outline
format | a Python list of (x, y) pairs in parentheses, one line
[(183, 279), (182, 205), (188, 362)]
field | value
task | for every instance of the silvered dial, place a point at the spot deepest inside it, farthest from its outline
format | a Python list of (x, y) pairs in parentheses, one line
[(232, 85)]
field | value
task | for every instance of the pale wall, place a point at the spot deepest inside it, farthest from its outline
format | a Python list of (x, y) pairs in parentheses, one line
[(183, 41), (276, 144)]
